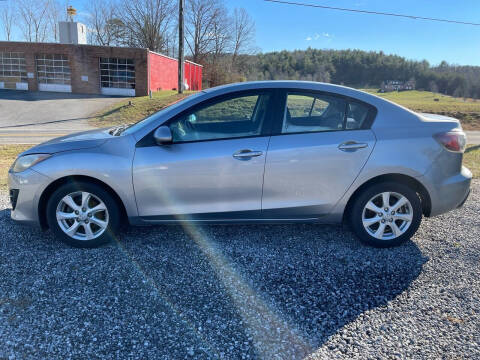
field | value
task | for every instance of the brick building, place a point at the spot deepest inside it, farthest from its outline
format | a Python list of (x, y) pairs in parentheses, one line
[(90, 69)]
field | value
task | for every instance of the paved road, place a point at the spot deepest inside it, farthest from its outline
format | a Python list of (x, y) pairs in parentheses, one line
[(34, 117), (473, 137)]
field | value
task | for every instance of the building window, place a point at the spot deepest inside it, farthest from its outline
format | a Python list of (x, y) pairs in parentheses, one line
[(53, 69), (117, 73), (12, 70)]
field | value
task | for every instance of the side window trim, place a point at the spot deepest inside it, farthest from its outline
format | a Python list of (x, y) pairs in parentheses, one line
[(311, 107), (255, 109), (345, 115)]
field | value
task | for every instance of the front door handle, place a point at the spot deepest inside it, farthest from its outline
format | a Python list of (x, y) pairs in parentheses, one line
[(352, 146), (246, 154)]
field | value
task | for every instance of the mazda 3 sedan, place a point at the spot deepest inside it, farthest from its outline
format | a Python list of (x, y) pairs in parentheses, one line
[(258, 152)]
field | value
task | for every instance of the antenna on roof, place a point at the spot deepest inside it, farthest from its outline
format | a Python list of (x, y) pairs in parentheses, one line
[(71, 12)]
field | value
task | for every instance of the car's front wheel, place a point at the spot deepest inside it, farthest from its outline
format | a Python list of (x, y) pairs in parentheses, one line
[(83, 214), (386, 214)]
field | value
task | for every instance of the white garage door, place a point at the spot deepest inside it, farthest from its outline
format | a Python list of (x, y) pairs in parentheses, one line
[(53, 72), (13, 73), (117, 76)]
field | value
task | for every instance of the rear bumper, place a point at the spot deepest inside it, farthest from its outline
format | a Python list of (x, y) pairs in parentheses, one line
[(449, 194), (464, 200)]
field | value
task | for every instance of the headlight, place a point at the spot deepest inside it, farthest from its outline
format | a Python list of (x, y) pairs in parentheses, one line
[(24, 162)]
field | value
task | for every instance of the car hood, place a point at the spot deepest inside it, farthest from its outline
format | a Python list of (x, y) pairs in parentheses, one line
[(76, 141)]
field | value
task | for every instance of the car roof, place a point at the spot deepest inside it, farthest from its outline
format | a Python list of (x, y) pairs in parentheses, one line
[(294, 84), (274, 84)]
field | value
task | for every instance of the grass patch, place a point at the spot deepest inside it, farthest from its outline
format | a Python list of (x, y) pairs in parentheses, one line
[(471, 159), (466, 110), (8, 154), (135, 109)]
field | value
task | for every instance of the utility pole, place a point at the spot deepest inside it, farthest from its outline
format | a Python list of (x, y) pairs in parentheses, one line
[(181, 39)]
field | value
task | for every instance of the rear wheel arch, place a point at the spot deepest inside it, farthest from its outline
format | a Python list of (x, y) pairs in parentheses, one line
[(42, 204), (411, 182)]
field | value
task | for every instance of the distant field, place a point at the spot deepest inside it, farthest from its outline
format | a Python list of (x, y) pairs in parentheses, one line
[(467, 111)]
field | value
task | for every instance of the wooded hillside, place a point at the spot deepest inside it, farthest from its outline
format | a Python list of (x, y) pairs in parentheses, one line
[(360, 69)]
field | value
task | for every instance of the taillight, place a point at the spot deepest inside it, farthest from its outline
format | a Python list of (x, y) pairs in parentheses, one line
[(452, 140)]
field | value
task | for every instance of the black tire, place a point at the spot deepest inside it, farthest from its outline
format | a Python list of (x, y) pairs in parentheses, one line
[(96, 190), (356, 212)]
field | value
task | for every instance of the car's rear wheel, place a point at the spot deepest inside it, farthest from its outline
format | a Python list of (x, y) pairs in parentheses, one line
[(83, 214), (386, 214)]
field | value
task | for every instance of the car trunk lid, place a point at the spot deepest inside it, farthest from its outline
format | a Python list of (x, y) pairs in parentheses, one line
[(440, 121)]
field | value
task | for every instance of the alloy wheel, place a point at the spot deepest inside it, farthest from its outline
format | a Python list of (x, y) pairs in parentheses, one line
[(82, 215), (387, 215)]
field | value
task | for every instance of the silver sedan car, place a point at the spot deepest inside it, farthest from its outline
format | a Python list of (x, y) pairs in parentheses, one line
[(258, 152)]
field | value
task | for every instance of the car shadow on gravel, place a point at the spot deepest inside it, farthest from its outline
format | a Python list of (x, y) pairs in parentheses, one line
[(271, 289), (258, 291)]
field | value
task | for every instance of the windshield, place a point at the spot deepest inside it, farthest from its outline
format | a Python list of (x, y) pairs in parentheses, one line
[(148, 120)]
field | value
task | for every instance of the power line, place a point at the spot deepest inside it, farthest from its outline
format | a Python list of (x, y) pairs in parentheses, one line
[(414, 17)]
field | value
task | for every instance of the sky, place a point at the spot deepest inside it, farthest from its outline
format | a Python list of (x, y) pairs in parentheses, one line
[(289, 27), (280, 27)]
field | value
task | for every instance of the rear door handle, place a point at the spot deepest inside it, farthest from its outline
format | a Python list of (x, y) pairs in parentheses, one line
[(352, 146), (246, 154)]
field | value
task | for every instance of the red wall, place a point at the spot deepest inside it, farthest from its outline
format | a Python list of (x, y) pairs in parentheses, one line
[(163, 73), (193, 75)]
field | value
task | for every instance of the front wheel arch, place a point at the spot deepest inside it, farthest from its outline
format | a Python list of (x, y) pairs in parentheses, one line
[(398, 178), (42, 204)]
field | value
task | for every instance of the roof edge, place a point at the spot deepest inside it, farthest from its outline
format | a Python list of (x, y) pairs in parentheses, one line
[(172, 58), (59, 44)]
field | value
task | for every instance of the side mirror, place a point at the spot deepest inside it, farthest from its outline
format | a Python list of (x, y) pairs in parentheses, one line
[(163, 135)]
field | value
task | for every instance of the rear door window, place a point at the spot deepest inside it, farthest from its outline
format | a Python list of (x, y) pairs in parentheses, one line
[(357, 114), (313, 113)]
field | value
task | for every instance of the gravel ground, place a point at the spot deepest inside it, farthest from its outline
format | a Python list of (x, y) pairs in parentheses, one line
[(233, 292)]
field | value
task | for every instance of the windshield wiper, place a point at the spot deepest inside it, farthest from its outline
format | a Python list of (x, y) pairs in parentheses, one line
[(116, 131)]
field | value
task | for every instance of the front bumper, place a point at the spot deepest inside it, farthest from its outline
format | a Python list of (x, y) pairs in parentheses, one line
[(13, 197), (449, 194), (26, 188)]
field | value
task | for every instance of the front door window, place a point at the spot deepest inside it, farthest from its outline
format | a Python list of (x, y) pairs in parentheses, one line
[(241, 116)]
